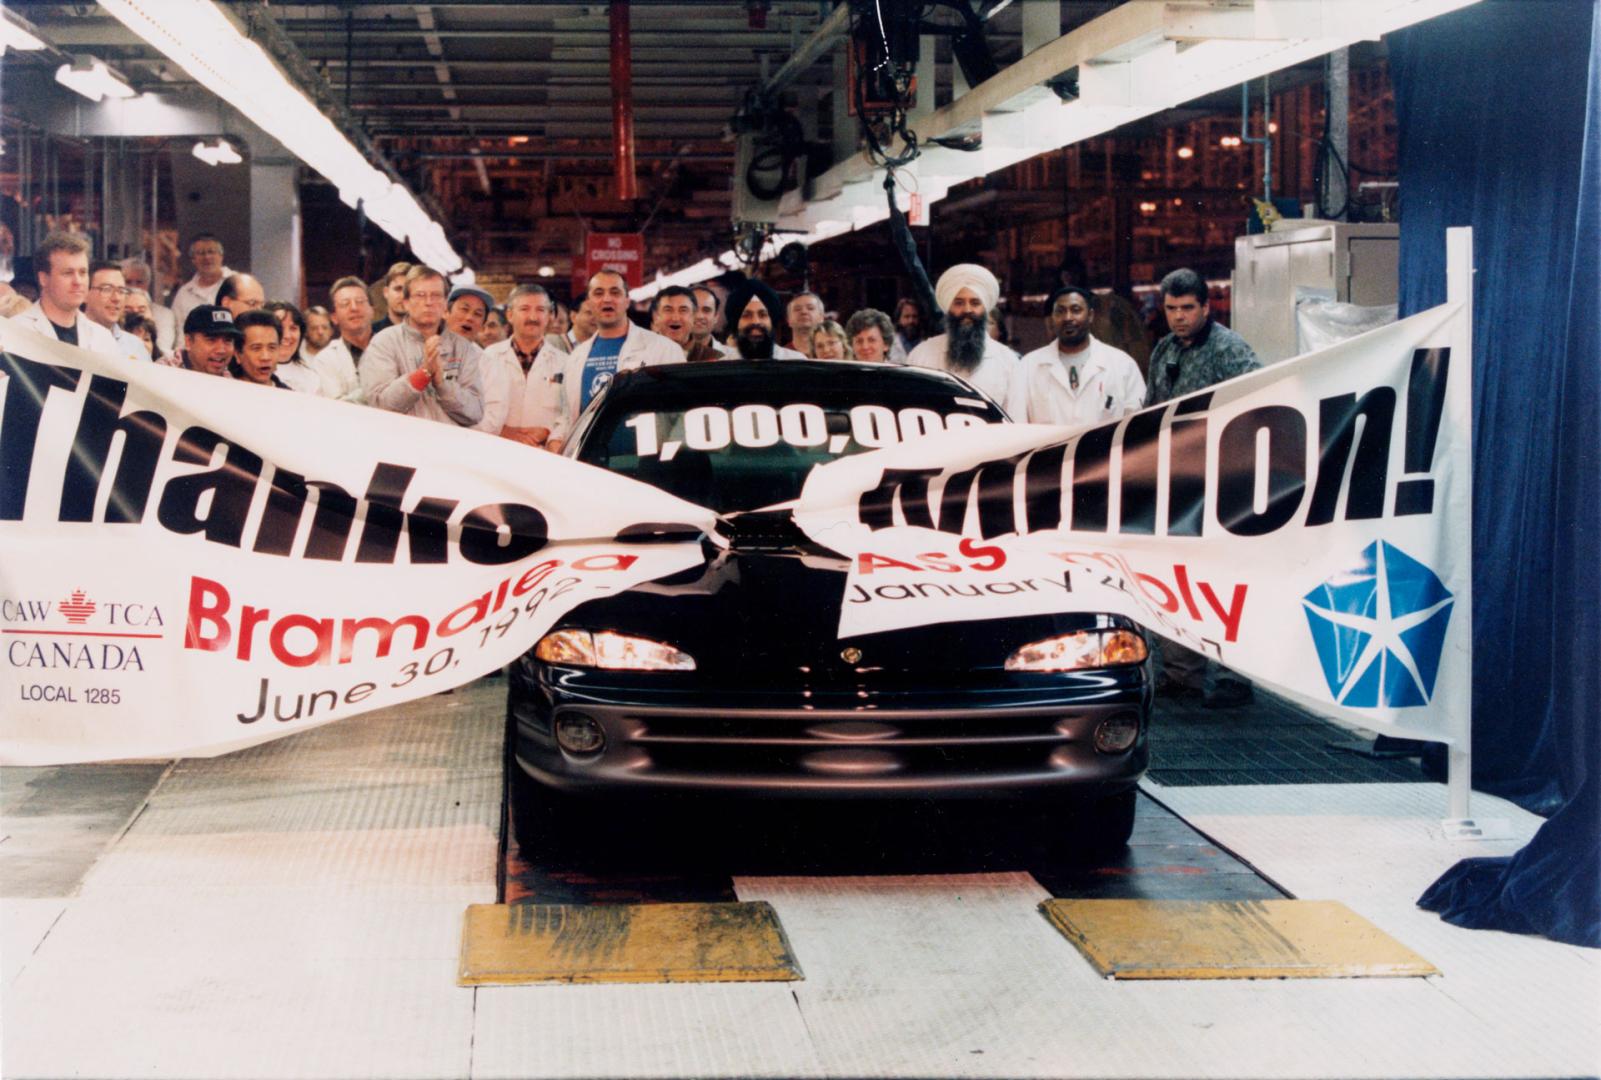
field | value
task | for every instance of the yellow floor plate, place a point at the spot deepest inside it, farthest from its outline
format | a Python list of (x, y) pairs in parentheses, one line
[(623, 943), (1234, 939)]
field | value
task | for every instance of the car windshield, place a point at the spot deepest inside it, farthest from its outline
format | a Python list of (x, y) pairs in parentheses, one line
[(755, 447)]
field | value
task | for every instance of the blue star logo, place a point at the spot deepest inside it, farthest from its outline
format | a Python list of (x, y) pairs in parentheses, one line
[(1379, 627)]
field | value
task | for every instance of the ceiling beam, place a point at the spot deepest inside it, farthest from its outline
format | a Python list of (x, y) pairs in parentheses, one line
[(670, 91), (812, 49), (663, 55), (409, 127), (704, 38), (519, 111)]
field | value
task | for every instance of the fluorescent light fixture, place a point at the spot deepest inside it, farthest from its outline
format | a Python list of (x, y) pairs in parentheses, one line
[(220, 152), (93, 79), (13, 36), (198, 37), (547, 271)]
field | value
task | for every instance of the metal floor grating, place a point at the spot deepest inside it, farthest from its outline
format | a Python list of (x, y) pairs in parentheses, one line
[(1266, 742)]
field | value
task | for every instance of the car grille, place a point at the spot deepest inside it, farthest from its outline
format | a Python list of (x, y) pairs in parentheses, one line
[(847, 747)]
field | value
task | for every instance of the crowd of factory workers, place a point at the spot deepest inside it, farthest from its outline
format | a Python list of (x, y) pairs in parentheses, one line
[(526, 368)]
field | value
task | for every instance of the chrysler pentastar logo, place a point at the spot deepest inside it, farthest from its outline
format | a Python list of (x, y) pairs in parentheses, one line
[(850, 655), (1379, 627)]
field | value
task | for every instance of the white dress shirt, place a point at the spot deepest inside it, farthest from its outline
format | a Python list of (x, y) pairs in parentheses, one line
[(191, 294), (297, 374), (131, 345), (166, 326)]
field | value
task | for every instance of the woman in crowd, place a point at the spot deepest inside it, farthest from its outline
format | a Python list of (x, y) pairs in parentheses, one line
[(293, 370), (829, 342), (145, 330), (871, 334)]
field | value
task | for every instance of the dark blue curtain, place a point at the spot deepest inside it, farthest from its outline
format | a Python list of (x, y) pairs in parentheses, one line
[(1499, 115)]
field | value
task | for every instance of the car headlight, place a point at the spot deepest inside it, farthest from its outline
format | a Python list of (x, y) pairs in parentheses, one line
[(1084, 649), (612, 651)]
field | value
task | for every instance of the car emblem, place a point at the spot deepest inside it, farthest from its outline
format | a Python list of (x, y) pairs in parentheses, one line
[(850, 655)]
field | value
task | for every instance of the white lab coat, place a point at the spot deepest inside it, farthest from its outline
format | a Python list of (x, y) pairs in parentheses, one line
[(999, 374), (91, 335), (337, 369), (1109, 385), (514, 398), (641, 348)]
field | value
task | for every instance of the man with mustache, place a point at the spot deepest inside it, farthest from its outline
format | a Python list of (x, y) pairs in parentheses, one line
[(967, 293), (757, 317)]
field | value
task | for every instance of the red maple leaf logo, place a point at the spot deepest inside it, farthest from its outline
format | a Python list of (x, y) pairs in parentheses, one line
[(77, 608)]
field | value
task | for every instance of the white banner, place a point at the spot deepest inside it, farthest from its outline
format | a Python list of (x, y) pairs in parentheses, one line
[(190, 565), (1306, 525)]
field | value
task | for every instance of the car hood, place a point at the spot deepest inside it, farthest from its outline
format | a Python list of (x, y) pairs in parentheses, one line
[(768, 607)]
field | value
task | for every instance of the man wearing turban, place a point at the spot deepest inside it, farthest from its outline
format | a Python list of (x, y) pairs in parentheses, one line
[(967, 293), (756, 316)]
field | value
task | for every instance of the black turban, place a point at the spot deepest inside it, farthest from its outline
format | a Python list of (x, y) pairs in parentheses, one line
[(748, 290)]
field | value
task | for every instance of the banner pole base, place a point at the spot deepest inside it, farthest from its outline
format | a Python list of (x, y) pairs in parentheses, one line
[(1461, 825), (1476, 828)]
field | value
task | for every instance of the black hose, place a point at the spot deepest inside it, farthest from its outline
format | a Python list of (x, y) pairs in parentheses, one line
[(906, 246)]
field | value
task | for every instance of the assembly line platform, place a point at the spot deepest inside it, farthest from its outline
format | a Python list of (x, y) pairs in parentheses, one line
[(298, 910)]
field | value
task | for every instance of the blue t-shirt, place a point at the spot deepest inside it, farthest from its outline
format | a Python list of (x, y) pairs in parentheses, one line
[(600, 366)]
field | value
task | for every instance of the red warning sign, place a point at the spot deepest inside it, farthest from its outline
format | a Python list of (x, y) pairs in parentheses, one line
[(622, 252)]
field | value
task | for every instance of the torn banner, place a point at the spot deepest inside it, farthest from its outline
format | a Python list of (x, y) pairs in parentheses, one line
[(1307, 525), (191, 565)]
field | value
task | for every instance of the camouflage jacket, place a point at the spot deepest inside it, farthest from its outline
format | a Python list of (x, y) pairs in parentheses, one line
[(1218, 353)]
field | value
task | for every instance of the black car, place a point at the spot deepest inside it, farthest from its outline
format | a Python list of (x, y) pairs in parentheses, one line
[(731, 677)]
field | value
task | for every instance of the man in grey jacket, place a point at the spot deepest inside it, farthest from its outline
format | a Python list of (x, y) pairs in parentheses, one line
[(420, 367), (1197, 354)]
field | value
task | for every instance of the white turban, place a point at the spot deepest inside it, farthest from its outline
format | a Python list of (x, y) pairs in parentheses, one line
[(967, 276)]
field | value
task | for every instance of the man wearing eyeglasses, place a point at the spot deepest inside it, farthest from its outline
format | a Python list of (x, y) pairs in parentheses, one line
[(205, 252), (240, 293), (61, 264), (422, 367), (108, 295)]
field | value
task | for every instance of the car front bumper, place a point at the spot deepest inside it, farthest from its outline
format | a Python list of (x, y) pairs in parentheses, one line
[(1019, 735)]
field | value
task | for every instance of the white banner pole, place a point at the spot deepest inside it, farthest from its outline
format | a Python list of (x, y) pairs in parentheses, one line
[(1460, 823), (1459, 290)]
